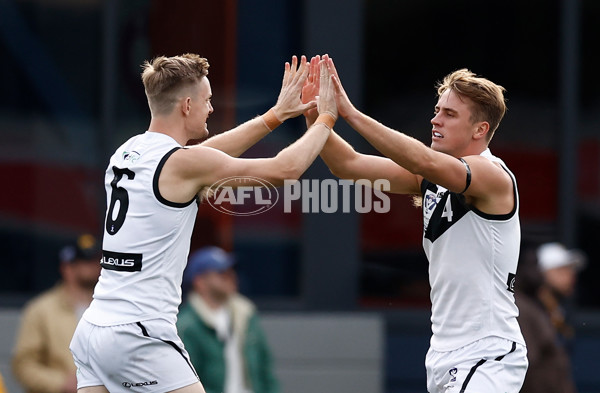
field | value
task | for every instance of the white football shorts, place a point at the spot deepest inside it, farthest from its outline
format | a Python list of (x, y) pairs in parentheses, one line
[(490, 365), (147, 354)]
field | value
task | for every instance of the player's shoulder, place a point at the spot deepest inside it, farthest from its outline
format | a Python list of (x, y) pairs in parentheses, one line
[(199, 149), (487, 163), (197, 156)]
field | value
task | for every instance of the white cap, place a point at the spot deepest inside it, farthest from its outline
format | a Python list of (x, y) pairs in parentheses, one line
[(554, 255)]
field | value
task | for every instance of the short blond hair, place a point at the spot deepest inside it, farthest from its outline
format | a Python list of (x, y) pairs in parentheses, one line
[(487, 97), (165, 77)]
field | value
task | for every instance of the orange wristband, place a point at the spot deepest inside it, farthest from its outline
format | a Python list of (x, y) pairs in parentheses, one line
[(327, 119), (271, 120)]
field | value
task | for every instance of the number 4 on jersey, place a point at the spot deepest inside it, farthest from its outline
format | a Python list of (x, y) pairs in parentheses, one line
[(113, 224), (447, 212)]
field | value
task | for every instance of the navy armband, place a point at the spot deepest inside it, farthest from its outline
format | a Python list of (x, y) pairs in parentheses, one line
[(468, 175)]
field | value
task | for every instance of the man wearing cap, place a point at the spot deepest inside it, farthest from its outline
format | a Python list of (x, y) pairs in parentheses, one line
[(560, 267), (549, 364), (42, 361), (220, 329)]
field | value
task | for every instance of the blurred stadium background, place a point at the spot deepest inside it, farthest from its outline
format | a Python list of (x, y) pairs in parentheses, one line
[(71, 93)]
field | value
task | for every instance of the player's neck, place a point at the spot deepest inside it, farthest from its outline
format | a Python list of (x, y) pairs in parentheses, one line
[(169, 125), (474, 149)]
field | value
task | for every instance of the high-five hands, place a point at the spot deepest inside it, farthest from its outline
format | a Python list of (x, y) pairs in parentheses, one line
[(289, 103), (344, 105), (326, 103), (310, 90)]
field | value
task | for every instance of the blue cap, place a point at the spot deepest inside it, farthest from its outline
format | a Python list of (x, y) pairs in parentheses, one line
[(207, 259)]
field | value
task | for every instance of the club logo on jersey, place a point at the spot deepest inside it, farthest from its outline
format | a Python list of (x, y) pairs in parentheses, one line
[(511, 282), (131, 156), (121, 261), (452, 373), (441, 210), (430, 201)]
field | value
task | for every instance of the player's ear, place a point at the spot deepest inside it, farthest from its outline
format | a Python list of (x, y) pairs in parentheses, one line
[(186, 105), (483, 127)]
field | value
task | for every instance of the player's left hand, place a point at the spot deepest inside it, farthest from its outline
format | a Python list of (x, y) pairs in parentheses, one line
[(289, 103)]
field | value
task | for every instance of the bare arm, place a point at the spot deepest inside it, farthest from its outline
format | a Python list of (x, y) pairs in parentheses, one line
[(341, 158), (188, 170), (239, 139), (346, 163), (491, 188)]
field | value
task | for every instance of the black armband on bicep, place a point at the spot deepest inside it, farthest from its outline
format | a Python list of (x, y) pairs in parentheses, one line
[(468, 175)]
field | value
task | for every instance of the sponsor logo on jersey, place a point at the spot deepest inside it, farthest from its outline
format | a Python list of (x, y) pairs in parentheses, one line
[(121, 261), (130, 385)]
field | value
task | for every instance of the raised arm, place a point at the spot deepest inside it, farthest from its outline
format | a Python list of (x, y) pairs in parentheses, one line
[(491, 188), (345, 162), (239, 139), (189, 170)]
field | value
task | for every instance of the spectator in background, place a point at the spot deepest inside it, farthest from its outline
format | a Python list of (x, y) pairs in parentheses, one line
[(560, 267), (549, 368), (220, 328), (42, 361)]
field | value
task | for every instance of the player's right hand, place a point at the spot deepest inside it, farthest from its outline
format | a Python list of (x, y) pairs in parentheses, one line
[(344, 105), (326, 102)]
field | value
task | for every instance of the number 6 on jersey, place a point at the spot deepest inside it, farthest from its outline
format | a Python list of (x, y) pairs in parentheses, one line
[(113, 224)]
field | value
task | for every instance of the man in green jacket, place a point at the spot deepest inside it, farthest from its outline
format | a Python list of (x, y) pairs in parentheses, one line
[(220, 328)]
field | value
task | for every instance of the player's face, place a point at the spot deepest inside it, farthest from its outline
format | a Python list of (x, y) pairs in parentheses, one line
[(201, 109), (453, 129)]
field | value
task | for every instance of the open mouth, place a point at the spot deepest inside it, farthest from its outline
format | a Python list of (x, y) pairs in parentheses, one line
[(437, 134)]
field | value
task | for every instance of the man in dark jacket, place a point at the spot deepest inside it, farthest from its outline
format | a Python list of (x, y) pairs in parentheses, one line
[(549, 368), (220, 328)]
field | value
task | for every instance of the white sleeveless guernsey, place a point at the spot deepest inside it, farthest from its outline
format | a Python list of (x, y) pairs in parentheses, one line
[(146, 238), (473, 259)]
